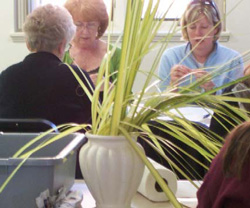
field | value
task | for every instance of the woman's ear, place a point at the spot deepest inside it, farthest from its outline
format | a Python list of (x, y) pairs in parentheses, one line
[(28, 46), (61, 49), (216, 33)]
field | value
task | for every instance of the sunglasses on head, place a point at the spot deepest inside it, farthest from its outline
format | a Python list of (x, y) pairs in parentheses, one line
[(208, 3)]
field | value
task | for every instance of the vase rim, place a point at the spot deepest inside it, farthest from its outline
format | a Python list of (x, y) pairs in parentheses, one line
[(87, 134)]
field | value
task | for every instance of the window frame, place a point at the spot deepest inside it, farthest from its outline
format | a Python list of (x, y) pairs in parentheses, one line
[(24, 7)]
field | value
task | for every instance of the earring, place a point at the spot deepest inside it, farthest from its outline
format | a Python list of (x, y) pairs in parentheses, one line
[(215, 37), (98, 32)]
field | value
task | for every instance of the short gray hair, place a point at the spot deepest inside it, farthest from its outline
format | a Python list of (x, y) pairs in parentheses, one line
[(47, 26)]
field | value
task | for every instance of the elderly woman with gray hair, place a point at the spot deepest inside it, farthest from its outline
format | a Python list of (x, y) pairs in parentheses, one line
[(202, 54), (42, 86)]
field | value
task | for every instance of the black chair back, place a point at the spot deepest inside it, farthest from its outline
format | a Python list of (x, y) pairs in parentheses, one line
[(26, 125)]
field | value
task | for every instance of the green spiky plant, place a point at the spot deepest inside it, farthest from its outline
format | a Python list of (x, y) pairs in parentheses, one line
[(121, 112)]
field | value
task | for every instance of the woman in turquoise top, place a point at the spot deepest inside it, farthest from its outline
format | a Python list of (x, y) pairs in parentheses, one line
[(202, 55), (87, 50)]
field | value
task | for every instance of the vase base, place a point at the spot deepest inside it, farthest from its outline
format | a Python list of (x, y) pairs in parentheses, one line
[(115, 206)]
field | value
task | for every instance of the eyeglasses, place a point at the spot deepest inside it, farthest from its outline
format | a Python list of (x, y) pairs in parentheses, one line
[(208, 3), (90, 26)]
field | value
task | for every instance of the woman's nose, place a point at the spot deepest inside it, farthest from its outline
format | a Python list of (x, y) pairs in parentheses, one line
[(198, 31), (84, 30)]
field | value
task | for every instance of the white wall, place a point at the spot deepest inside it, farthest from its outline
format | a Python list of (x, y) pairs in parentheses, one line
[(9, 52), (237, 24)]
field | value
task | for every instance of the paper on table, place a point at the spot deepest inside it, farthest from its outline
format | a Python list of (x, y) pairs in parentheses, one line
[(148, 186), (196, 114)]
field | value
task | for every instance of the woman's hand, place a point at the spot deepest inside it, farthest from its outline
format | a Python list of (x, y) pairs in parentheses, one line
[(247, 70), (177, 72), (207, 85)]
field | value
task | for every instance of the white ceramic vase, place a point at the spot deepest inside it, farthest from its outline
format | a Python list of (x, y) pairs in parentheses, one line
[(111, 169)]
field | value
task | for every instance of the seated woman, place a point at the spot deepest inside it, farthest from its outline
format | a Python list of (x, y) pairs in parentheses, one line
[(202, 54), (182, 65), (87, 50), (227, 182), (42, 86)]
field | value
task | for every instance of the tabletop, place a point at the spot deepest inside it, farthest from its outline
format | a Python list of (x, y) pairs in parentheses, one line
[(186, 195)]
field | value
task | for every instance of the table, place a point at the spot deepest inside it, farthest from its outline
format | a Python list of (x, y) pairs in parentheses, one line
[(186, 194)]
